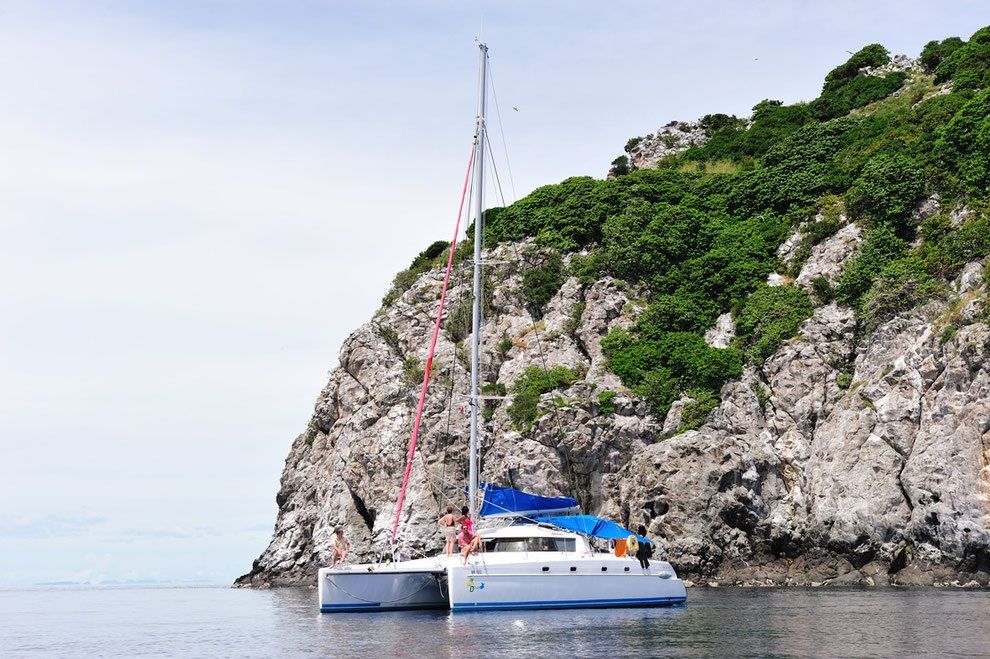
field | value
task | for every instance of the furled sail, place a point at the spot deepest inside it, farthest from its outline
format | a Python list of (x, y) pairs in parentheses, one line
[(596, 527), (507, 502)]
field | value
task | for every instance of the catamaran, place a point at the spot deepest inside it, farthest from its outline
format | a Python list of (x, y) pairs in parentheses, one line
[(537, 553)]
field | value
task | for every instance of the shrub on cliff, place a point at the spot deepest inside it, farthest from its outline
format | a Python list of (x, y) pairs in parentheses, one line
[(963, 145), (620, 166), (856, 93), (528, 388), (880, 247), (935, 51), (771, 122), (967, 65), (886, 192), (946, 249), (873, 55), (403, 281), (661, 365), (697, 409), (768, 317), (900, 286), (541, 283), (795, 172)]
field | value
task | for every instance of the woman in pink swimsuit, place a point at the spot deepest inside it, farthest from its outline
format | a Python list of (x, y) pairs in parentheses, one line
[(468, 540)]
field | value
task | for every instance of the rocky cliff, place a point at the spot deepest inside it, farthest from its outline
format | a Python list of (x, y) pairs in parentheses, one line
[(852, 449), (796, 478)]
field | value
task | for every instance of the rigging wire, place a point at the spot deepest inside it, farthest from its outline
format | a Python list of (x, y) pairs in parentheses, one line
[(429, 358), (501, 130), (453, 379), (478, 225), (535, 326)]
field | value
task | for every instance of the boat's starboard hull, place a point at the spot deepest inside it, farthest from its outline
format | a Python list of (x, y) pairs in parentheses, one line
[(527, 585)]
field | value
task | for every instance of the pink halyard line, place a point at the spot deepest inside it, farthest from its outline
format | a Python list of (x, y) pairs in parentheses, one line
[(429, 357)]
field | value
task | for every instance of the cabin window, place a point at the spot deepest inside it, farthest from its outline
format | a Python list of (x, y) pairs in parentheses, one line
[(506, 544), (520, 544), (541, 544), (530, 544)]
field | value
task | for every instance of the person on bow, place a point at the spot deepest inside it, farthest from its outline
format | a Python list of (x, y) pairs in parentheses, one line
[(339, 546), (448, 524)]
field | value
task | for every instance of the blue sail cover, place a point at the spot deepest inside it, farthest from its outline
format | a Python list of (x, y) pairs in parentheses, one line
[(596, 527), (507, 502)]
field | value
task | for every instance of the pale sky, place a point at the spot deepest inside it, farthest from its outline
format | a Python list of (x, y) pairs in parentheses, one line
[(200, 200)]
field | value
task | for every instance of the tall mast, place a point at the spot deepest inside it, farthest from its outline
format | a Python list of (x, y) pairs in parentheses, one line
[(479, 196)]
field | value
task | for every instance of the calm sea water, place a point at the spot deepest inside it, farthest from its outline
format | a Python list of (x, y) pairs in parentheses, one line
[(214, 622)]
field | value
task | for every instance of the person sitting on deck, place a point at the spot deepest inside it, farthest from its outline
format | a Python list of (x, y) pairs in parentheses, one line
[(449, 525), (468, 540), (339, 546)]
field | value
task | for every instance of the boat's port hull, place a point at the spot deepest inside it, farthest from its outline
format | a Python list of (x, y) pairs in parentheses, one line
[(358, 589)]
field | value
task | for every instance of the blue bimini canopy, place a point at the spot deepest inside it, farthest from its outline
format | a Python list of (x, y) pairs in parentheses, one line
[(596, 527), (506, 502)]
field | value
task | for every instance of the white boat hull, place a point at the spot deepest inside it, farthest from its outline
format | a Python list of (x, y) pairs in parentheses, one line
[(493, 584), (493, 581), (382, 588)]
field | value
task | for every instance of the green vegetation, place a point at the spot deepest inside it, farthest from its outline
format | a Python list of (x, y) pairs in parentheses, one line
[(947, 334), (573, 322), (900, 286), (768, 317), (696, 410), (311, 432), (605, 404), (700, 232), (966, 64), (541, 283), (528, 388), (762, 395), (885, 193), (660, 365), (846, 88), (964, 145), (935, 51), (824, 293), (433, 255), (458, 322), (697, 236), (880, 248), (412, 370)]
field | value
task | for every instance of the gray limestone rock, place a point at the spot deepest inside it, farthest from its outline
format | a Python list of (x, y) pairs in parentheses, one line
[(793, 479), (671, 139), (829, 257)]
